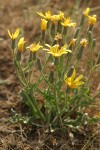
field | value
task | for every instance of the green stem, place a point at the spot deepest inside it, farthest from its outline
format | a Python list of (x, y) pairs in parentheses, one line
[(38, 110), (46, 80), (31, 103), (55, 92), (23, 75)]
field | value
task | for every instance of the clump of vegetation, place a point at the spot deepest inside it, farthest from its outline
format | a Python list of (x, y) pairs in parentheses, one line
[(63, 88)]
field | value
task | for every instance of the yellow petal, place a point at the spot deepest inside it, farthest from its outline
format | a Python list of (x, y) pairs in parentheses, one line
[(15, 35), (47, 45), (78, 78), (21, 44), (43, 24), (79, 83), (87, 11), (73, 75), (40, 14), (9, 34)]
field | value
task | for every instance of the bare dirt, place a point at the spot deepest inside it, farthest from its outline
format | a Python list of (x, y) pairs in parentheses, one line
[(22, 14)]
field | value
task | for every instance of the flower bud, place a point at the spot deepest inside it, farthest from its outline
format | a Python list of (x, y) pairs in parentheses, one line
[(51, 77), (90, 38), (80, 52), (43, 24), (76, 33), (39, 64), (94, 43), (21, 44), (70, 71), (82, 21)]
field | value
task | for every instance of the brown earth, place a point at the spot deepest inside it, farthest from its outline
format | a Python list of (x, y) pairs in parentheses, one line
[(22, 14)]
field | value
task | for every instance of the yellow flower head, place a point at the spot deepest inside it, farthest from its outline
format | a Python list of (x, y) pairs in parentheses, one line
[(60, 16), (34, 47), (14, 35), (21, 44), (54, 18), (84, 42), (73, 42), (43, 24), (68, 23), (72, 82), (46, 16), (92, 19), (56, 51), (86, 12)]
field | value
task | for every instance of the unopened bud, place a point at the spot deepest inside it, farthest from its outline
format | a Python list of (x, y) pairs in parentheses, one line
[(90, 38), (39, 64), (82, 20), (94, 43), (43, 24), (70, 71), (51, 77), (80, 52), (76, 33)]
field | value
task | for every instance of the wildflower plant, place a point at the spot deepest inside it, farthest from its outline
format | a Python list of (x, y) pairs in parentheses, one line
[(63, 89)]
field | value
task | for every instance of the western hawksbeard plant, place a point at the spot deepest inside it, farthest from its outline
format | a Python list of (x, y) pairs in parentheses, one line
[(61, 87)]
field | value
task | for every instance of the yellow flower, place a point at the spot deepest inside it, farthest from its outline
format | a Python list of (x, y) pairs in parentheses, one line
[(54, 18), (60, 16), (57, 17), (21, 44), (43, 24), (14, 35), (34, 47), (56, 51), (68, 23), (46, 16), (72, 82), (86, 12), (84, 42), (92, 19)]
